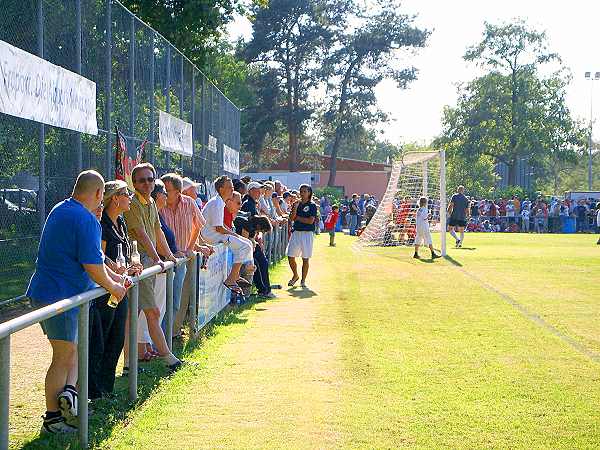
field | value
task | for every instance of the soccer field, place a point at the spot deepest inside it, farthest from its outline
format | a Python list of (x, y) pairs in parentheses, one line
[(496, 346)]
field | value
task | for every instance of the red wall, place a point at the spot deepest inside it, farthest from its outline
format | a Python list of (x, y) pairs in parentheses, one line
[(358, 182)]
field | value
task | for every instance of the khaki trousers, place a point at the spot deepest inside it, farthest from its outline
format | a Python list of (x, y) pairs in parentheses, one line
[(186, 295)]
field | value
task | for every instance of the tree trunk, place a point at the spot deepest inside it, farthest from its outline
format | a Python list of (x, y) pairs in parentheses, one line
[(292, 147), (512, 173)]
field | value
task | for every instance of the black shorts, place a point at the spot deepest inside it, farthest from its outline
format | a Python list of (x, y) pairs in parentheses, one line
[(457, 223)]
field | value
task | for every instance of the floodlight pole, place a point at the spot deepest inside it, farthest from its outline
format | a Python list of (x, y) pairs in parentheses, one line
[(588, 76), (443, 201)]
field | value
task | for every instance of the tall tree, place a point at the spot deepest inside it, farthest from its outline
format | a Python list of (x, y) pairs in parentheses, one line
[(292, 36), (363, 57), (517, 51), (192, 26)]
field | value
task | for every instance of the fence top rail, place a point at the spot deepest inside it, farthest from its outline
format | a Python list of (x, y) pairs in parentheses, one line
[(59, 307)]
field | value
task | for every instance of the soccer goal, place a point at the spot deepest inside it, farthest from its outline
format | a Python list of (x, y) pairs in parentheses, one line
[(415, 175)]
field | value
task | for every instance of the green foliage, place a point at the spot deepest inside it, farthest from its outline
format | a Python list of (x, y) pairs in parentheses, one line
[(362, 56), (335, 194), (512, 113)]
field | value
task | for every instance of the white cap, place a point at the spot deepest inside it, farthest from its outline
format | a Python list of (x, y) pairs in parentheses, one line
[(254, 185), (187, 183)]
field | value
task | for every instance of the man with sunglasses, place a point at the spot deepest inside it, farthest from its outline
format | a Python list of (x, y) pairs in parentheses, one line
[(143, 225)]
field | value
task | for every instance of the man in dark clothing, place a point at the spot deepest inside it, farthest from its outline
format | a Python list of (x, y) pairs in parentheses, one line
[(261, 275), (458, 211)]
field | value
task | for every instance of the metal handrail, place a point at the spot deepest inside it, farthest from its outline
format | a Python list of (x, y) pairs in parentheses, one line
[(275, 242), (31, 318)]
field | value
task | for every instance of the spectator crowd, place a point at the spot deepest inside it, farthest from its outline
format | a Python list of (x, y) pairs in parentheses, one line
[(105, 233), (541, 215)]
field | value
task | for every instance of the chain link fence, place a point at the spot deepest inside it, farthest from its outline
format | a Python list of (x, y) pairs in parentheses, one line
[(137, 73)]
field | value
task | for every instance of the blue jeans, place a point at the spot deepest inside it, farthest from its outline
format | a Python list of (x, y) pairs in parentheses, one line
[(353, 223), (178, 278)]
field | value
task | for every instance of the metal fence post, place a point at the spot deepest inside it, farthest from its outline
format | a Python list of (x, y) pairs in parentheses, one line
[(133, 350), (4, 391), (108, 89), (78, 146), (82, 374), (194, 290), (131, 89), (169, 313), (41, 129), (168, 96)]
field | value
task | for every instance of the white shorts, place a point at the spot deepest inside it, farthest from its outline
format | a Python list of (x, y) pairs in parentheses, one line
[(423, 237), (301, 244)]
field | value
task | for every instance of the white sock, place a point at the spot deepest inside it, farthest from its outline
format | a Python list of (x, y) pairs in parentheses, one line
[(170, 359), (453, 234)]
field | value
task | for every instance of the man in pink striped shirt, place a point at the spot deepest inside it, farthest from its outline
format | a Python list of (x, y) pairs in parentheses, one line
[(184, 218)]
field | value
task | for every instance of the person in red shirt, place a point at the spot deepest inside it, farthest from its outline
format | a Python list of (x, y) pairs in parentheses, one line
[(232, 206), (330, 223)]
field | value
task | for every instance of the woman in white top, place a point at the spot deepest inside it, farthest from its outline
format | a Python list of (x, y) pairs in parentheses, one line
[(214, 232), (423, 235)]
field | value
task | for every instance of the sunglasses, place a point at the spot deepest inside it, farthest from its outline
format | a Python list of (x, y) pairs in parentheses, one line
[(145, 180), (125, 194)]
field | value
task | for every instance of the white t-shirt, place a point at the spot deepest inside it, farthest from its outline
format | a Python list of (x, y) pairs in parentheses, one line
[(214, 214), (423, 218), (510, 210), (525, 214)]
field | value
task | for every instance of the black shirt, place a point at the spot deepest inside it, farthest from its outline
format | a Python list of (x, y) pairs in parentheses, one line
[(242, 223), (115, 234), (249, 206), (306, 210), (460, 204)]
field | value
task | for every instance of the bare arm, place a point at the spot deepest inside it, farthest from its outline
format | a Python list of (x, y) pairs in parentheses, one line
[(163, 246), (146, 242), (99, 274), (450, 208), (194, 236)]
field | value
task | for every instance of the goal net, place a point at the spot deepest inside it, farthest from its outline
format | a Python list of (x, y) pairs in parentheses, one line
[(415, 175)]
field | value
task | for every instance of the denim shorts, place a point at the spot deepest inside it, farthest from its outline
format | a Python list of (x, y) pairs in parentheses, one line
[(62, 327)]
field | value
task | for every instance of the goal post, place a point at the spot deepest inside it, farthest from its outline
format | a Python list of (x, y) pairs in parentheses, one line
[(414, 175)]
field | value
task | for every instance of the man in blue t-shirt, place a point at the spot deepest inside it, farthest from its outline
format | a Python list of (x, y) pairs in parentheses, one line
[(69, 262)]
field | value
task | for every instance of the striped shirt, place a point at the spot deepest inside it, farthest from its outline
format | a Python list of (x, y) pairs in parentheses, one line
[(181, 220)]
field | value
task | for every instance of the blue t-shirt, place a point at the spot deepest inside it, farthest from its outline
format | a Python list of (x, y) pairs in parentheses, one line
[(169, 235), (305, 210), (71, 237)]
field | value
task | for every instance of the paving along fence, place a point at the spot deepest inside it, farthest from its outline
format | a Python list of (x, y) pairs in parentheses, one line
[(137, 74), (209, 299)]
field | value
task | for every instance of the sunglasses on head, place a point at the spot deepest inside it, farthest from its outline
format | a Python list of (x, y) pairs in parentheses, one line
[(125, 194), (144, 180)]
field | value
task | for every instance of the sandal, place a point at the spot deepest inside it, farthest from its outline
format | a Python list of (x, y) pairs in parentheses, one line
[(293, 281), (242, 282), (233, 287), (146, 357)]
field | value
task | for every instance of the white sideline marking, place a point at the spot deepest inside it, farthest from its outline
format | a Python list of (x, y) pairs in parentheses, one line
[(535, 318)]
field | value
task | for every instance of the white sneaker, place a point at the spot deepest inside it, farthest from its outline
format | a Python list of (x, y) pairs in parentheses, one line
[(57, 425), (67, 403), (303, 284), (269, 295)]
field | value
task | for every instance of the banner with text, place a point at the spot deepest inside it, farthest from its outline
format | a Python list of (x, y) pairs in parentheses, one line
[(212, 144), (214, 296), (174, 134), (35, 89), (231, 160)]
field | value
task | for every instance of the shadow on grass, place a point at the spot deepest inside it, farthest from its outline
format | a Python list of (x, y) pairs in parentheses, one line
[(452, 261), (109, 413), (466, 248), (301, 293)]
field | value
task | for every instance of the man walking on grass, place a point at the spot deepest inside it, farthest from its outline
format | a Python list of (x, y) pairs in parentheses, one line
[(69, 261), (458, 211)]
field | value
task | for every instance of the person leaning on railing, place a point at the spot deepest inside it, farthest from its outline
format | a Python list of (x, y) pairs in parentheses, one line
[(143, 226), (261, 274), (69, 261), (107, 323)]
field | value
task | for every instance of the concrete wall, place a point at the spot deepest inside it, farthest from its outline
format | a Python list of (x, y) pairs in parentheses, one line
[(358, 182)]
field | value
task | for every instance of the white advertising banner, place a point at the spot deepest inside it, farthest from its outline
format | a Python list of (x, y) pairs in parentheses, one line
[(231, 160), (174, 134), (214, 296), (212, 143), (35, 89)]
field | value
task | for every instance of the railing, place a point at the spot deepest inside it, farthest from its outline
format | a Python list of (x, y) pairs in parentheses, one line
[(276, 243), (550, 224)]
